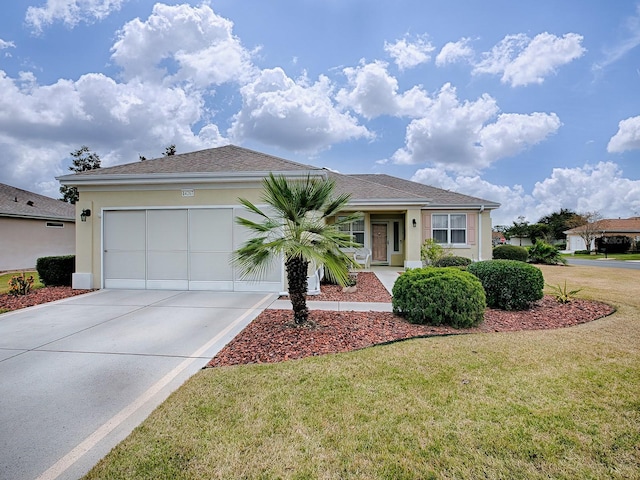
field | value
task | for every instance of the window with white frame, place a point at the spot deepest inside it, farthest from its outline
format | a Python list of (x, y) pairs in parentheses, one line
[(449, 228), (355, 228)]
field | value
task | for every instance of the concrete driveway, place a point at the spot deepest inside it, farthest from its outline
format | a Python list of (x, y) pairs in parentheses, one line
[(77, 376)]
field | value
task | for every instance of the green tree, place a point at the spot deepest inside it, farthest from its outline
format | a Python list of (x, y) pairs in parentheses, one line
[(168, 151), (298, 230), (558, 223), (518, 229), (83, 160)]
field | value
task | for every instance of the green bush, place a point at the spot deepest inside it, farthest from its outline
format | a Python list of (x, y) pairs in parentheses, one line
[(581, 252), (439, 296), (452, 261), (509, 284), (510, 252), (542, 252), (56, 271)]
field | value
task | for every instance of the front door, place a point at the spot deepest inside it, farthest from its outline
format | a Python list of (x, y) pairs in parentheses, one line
[(379, 243)]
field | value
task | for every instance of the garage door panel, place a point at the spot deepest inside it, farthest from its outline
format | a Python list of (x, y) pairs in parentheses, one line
[(123, 264), (210, 230), (167, 230), (167, 266), (125, 230), (211, 266)]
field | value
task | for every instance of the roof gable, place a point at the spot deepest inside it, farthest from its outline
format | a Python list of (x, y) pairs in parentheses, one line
[(15, 202)]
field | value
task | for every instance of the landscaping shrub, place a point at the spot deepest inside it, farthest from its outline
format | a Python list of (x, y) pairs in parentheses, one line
[(581, 252), (439, 296), (56, 271), (509, 284), (452, 261), (542, 252), (510, 252), (431, 251)]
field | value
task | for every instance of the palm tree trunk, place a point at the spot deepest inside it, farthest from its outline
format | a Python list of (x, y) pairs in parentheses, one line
[(297, 279)]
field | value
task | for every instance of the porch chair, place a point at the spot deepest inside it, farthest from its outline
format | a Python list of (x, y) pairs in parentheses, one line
[(362, 256)]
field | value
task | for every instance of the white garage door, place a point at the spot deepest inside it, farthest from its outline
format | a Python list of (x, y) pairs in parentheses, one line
[(177, 249)]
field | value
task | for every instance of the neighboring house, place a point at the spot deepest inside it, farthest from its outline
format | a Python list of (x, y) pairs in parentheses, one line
[(520, 241), (169, 223), (498, 238), (608, 227), (33, 226)]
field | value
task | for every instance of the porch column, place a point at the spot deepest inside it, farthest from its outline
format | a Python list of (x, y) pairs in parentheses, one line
[(412, 238)]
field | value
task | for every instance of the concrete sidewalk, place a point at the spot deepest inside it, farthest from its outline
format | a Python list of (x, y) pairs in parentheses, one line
[(386, 275)]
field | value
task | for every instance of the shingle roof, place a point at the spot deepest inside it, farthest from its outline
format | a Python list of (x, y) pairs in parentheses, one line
[(438, 196), (614, 225), (229, 158), (15, 202), (232, 159)]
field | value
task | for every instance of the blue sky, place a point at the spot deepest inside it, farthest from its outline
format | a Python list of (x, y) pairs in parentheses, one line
[(534, 105)]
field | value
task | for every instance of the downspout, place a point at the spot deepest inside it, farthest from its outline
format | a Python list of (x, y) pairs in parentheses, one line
[(480, 233)]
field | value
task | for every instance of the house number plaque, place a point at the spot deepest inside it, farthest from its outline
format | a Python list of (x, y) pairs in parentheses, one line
[(188, 192)]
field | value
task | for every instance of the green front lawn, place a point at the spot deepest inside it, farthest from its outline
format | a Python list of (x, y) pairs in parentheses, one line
[(524, 405), (612, 256), (6, 277)]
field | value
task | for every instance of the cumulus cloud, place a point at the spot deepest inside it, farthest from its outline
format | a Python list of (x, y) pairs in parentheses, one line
[(454, 52), (195, 41), (522, 61), (40, 124), (469, 136), (627, 137), (407, 54), (578, 189), (297, 115), (70, 12), (373, 92)]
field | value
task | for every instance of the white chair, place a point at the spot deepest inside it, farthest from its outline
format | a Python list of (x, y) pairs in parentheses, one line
[(362, 256), (313, 280)]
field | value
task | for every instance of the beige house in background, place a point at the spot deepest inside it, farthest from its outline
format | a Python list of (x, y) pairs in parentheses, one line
[(33, 226), (608, 227), (169, 223)]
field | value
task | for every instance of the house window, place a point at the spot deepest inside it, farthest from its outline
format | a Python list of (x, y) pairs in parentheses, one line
[(55, 225), (396, 236), (355, 228), (449, 228)]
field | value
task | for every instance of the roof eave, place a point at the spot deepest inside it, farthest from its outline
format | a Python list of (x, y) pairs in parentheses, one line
[(168, 178), (38, 217)]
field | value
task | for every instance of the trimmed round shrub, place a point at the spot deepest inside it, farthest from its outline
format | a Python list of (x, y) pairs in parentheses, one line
[(452, 261), (510, 252), (439, 296), (509, 284)]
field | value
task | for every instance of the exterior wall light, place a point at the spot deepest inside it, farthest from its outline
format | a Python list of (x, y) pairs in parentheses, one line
[(84, 214), (415, 224)]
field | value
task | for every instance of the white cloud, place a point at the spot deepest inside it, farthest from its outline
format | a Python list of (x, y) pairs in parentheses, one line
[(454, 52), (373, 92), (70, 12), (627, 137), (469, 136), (196, 42), (601, 187), (40, 124), (407, 54), (5, 44), (522, 61), (293, 114)]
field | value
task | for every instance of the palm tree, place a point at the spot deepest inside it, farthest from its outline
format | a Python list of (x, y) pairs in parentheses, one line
[(298, 231)]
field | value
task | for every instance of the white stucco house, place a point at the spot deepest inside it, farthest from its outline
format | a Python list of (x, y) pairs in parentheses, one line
[(33, 226), (169, 223)]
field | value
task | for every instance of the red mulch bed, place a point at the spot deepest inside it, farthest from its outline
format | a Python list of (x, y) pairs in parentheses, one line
[(272, 337), (36, 297)]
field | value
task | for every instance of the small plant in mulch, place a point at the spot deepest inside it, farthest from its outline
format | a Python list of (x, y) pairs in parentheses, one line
[(561, 294), (20, 284)]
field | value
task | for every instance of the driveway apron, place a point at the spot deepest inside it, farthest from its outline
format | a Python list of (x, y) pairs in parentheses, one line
[(76, 376)]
